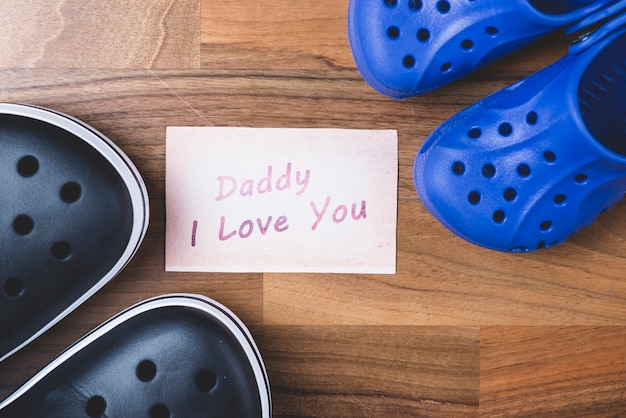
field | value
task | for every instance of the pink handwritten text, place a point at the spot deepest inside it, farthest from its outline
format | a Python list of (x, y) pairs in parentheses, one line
[(228, 185), (247, 227), (339, 214)]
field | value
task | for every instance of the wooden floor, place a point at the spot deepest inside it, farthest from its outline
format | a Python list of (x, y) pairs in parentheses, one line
[(458, 331)]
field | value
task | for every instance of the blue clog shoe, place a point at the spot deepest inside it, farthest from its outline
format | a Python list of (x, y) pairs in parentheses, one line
[(535, 162), (404, 48), (176, 355)]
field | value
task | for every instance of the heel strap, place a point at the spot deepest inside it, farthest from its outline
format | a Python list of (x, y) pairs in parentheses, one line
[(587, 39)]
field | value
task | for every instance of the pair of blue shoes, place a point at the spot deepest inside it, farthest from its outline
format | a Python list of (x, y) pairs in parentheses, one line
[(533, 163)]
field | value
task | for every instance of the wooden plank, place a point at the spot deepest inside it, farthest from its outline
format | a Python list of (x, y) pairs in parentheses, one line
[(138, 34), (443, 280), (371, 371), (270, 34), (552, 371), (312, 35)]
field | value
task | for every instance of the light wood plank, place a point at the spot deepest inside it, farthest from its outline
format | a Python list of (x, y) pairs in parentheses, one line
[(96, 34)]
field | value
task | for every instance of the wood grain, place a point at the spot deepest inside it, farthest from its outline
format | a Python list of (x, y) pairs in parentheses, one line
[(442, 280), (97, 34), (371, 371), (266, 34), (456, 325), (553, 371)]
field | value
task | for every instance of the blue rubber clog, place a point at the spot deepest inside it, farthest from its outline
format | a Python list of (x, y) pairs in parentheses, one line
[(404, 48), (533, 163)]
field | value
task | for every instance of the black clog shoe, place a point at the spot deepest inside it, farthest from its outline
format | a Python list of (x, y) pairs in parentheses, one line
[(73, 212), (170, 356)]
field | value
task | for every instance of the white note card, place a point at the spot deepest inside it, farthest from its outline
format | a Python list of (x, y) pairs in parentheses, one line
[(281, 200)]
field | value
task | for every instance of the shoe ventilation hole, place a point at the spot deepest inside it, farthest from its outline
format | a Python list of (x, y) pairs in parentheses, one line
[(541, 245), (61, 250), (559, 199), (474, 133), (509, 194), (13, 287), (159, 411), (96, 405), (28, 166), (549, 156), (545, 225), (458, 168), (580, 178), (491, 30), (489, 170), (408, 61), (146, 370), (391, 3), (423, 35), (71, 192), (443, 6), (531, 118), (205, 380), (415, 4), (523, 170), (446, 66), (23, 225), (393, 32), (505, 129), (467, 44), (498, 216), (473, 197)]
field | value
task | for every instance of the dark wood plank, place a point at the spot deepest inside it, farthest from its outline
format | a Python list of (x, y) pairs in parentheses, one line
[(371, 371)]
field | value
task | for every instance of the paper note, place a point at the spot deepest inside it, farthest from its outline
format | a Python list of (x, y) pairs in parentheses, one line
[(281, 200)]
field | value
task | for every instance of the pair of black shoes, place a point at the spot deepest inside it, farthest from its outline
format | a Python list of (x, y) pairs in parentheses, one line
[(73, 212)]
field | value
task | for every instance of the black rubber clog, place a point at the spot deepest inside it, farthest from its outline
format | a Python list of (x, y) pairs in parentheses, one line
[(171, 356), (73, 212)]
